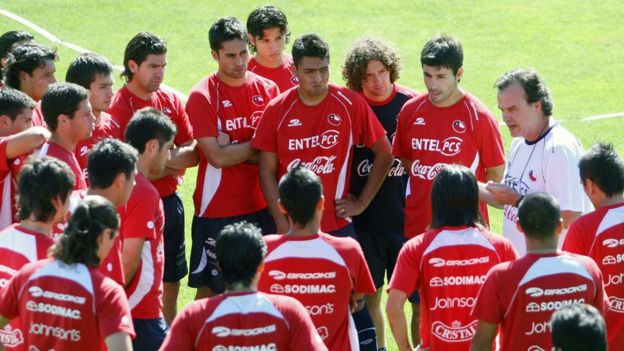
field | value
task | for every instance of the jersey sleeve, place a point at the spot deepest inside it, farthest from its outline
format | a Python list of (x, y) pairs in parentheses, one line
[(576, 241), (112, 310), (140, 219), (489, 307), (185, 131), (4, 162), (180, 337), (9, 297), (368, 129), (265, 137), (303, 334), (406, 275), (490, 141), (400, 144), (565, 182), (202, 114)]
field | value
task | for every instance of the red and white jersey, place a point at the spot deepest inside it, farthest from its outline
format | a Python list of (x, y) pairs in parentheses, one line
[(112, 265), (243, 321), (213, 107), (65, 307), (74, 199), (448, 265), (522, 295), (284, 75), (465, 133), (107, 127), (143, 217), (321, 138), (321, 271), (600, 235), (125, 104), (37, 116), (6, 187), (53, 149)]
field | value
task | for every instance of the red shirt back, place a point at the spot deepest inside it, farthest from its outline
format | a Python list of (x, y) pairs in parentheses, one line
[(53, 149), (108, 127), (284, 75)]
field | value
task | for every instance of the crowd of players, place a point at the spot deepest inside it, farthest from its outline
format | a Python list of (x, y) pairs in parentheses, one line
[(364, 183)]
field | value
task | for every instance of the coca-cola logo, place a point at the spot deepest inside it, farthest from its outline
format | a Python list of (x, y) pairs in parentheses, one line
[(424, 171), (366, 166), (320, 164)]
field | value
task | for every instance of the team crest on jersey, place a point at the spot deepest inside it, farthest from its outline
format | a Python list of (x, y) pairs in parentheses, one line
[(532, 176), (334, 119), (166, 110), (257, 100), (294, 80), (459, 126)]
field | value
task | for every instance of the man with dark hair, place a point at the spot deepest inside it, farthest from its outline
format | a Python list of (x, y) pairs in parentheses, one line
[(521, 295), (600, 234), (372, 68), (8, 41), (543, 155), (44, 186), (579, 327), (278, 322), (94, 72), (268, 34), (145, 59), (228, 102), (327, 274), (447, 265), (152, 134)]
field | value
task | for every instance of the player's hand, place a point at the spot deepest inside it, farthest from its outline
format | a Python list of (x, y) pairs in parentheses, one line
[(349, 207), (223, 139), (502, 193), (282, 225)]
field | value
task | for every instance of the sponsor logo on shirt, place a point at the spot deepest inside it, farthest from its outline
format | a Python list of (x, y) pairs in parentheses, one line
[(303, 289), (440, 262), (52, 309), (279, 275), (537, 292), (366, 166), (535, 348), (607, 260), (320, 164), (614, 279), (459, 126), (457, 280), (261, 347), (257, 100), (334, 119), (616, 304), (419, 121), (315, 310), (3, 282), (55, 331), (223, 332), (426, 172), (294, 123), (551, 305), (612, 243), (11, 338), (239, 123), (226, 103), (327, 140), (450, 146), (538, 328), (453, 302), (454, 333), (36, 291)]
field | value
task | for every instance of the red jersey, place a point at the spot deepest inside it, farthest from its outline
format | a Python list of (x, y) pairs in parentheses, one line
[(321, 138), (6, 187), (321, 271), (53, 149), (243, 321), (465, 133), (214, 106), (284, 75), (522, 295), (65, 307), (600, 235), (37, 116), (107, 127), (448, 266), (112, 265), (125, 104), (143, 217)]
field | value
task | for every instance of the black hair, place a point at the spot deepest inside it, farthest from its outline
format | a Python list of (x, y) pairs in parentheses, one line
[(61, 99), (26, 58), (107, 159), (38, 183), (266, 17), (85, 69), (443, 51), (578, 327), (299, 192), (603, 166), (139, 47), (13, 102), (10, 38), (226, 29), (367, 50), (240, 250), (309, 45), (79, 244), (146, 124), (533, 85), (455, 198), (539, 215)]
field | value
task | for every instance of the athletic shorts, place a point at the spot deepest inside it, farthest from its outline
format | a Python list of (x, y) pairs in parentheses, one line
[(346, 231), (381, 252), (205, 232), (150, 333), (175, 251)]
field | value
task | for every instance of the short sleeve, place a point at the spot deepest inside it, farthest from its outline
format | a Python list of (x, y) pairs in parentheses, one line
[(202, 114), (406, 275), (4, 162), (399, 146), (265, 137), (488, 307), (112, 310), (185, 131), (180, 337), (9, 297), (140, 217), (576, 241)]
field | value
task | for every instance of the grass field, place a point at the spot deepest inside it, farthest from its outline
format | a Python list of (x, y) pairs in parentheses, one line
[(576, 45)]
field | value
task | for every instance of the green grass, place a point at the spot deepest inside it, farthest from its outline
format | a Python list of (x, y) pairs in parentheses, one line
[(576, 45)]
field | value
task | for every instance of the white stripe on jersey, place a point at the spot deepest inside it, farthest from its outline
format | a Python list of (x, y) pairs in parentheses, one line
[(342, 176), (19, 242), (279, 124), (546, 266), (315, 248), (468, 236), (42, 151), (5, 209), (612, 218), (353, 334), (77, 273), (146, 279), (212, 180), (475, 163)]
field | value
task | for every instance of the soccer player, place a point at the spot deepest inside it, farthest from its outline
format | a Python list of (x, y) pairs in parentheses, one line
[(229, 101), (112, 165), (600, 234), (94, 72), (64, 302), (243, 318), (578, 327), (447, 265), (152, 133), (8, 41), (145, 59), (521, 295), (327, 274), (372, 68), (44, 186), (268, 33), (30, 69), (543, 155)]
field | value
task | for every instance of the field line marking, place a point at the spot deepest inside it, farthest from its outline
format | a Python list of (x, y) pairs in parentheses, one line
[(599, 117)]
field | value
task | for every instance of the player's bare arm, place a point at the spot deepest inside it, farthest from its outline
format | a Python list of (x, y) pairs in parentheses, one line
[(181, 158), (131, 256), (501, 194), (267, 163), (26, 141), (220, 156), (484, 336), (568, 217), (495, 174), (119, 341), (397, 320), (382, 162)]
